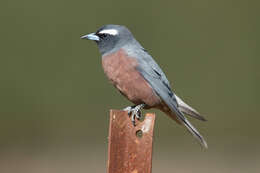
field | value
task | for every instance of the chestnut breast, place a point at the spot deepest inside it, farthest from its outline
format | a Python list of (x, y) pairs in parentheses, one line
[(121, 71)]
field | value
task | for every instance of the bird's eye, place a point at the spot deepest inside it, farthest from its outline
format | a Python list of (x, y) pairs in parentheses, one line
[(102, 35)]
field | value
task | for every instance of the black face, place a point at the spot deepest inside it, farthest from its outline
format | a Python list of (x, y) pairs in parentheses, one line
[(102, 36)]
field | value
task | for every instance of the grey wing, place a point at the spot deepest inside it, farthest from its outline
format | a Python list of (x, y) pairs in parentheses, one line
[(182, 106), (147, 58), (153, 74), (158, 81)]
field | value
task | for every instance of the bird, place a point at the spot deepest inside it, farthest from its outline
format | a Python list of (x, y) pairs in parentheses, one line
[(137, 76)]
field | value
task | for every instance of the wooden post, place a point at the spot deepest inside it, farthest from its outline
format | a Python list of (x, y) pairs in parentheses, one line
[(130, 147)]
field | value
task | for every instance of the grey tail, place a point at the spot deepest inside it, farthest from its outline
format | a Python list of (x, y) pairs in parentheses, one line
[(195, 133), (186, 109), (178, 111), (177, 115), (190, 128)]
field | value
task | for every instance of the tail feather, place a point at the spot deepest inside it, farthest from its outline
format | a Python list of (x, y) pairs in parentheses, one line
[(195, 133), (189, 127), (186, 109)]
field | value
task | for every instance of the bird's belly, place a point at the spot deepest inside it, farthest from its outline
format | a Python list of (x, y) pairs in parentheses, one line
[(121, 71)]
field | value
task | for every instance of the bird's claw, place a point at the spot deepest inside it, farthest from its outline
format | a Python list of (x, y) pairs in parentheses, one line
[(128, 109), (134, 112)]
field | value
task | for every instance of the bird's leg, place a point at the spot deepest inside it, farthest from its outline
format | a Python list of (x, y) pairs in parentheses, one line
[(135, 112)]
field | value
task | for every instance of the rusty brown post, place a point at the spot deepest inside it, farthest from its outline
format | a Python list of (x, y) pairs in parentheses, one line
[(130, 147)]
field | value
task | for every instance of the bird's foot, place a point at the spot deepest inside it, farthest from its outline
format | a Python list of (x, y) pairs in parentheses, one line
[(134, 112)]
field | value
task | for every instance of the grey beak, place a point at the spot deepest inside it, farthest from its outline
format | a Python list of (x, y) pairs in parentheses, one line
[(91, 36)]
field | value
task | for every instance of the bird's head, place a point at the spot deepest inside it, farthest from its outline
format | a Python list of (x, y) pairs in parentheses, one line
[(110, 37)]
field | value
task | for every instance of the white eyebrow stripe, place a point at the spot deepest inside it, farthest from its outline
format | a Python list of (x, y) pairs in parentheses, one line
[(109, 31)]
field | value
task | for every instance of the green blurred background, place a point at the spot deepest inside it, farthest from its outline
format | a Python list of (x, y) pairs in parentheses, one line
[(55, 99)]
